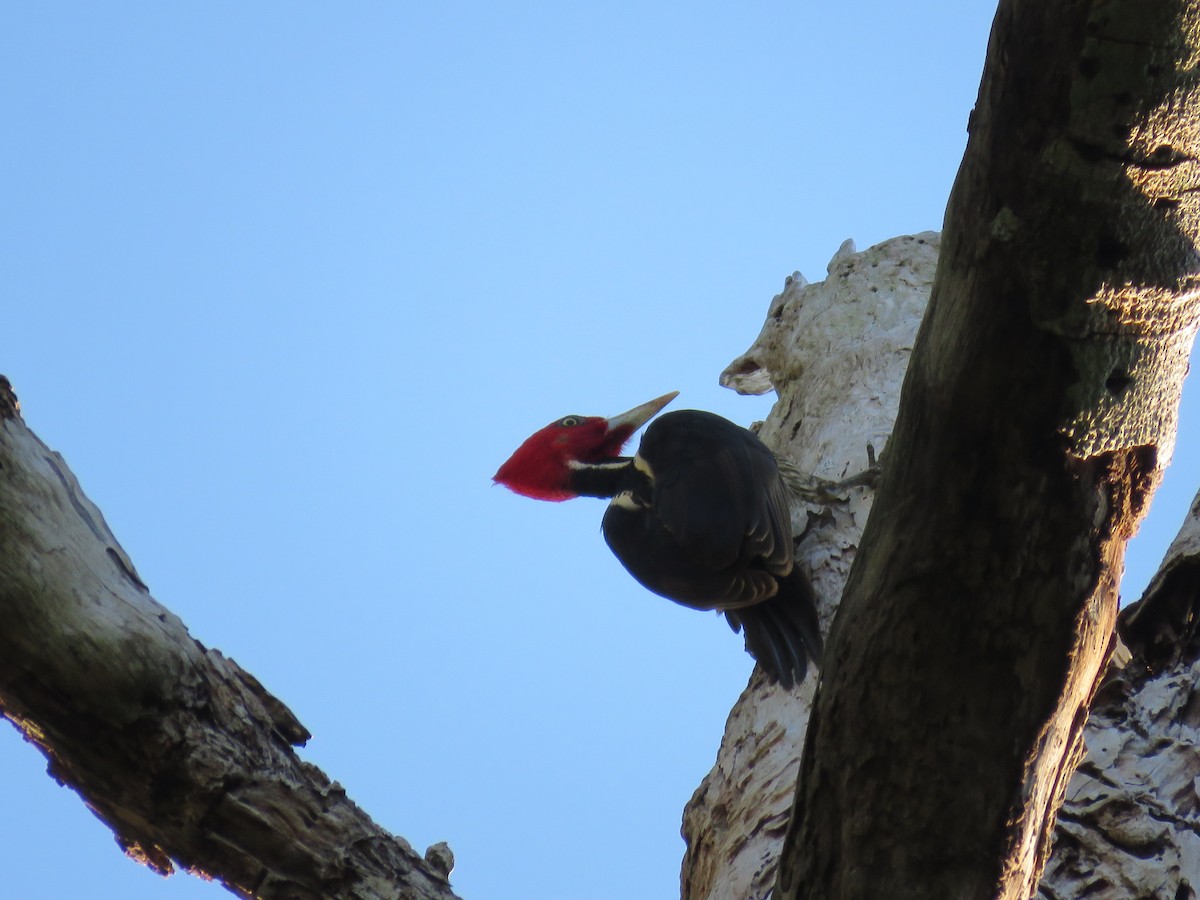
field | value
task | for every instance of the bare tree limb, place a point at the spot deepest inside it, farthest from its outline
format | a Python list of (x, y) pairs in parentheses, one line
[(1037, 413), (180, 751)]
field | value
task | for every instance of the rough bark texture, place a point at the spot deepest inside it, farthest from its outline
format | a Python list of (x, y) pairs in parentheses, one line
[(1037, 410), (181, 752), (835, 351), (1130, 824)]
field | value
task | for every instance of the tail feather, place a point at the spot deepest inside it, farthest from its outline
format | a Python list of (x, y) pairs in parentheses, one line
[(774, 655), (783, 632)]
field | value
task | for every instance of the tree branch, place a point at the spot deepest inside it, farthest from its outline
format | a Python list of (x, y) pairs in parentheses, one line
[(1037, 412), (179, 750)]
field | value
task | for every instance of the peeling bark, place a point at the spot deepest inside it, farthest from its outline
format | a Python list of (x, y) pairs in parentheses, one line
[(179, 750), (1037, 412), (1130, 824), (835, 351)]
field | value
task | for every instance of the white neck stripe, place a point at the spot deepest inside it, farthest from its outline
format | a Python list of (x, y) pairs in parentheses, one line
[(618, 463)]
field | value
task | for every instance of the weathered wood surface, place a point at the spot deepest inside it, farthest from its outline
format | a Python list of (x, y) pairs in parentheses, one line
[(835, 351), (1131, 820), (180, 751), (1130, 824)]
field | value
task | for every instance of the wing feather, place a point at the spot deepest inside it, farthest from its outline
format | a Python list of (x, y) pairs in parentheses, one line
[(721, 497)]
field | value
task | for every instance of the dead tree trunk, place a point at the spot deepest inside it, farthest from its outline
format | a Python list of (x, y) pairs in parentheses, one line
[(185, 755), (1038, 410), (1131, 819), (1130, 824), (835, 352)]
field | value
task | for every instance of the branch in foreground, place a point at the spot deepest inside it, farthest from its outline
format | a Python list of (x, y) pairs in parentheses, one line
[(1037, 413), (180, 751)]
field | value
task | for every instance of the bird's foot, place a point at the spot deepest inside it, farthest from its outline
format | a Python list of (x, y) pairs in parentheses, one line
[(822, 491)]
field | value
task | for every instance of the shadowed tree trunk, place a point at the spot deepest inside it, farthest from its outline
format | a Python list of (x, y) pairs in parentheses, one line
[(836, 351), (1038, 409)]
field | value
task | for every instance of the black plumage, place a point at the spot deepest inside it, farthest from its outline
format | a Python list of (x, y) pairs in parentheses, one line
[(700, 515)]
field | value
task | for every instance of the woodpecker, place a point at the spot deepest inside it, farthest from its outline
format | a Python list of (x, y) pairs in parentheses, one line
[(698, 515)]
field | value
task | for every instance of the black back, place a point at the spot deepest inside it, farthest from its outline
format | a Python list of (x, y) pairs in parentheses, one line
[(701, 517)]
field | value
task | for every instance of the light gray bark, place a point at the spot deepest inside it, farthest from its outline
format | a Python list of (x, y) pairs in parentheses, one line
[(179, 750), (835, 351)]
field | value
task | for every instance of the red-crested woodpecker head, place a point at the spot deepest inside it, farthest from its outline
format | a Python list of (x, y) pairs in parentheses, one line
[(541, 468)]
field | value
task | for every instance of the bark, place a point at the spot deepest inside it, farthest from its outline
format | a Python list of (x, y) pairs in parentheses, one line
[(1037, 412), (181, 752), (835, 351), (1130, 824)]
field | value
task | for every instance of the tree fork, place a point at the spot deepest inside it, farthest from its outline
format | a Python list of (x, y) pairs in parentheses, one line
[(1037, 413)]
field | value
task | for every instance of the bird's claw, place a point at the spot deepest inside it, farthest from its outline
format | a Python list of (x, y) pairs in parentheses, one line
[(822, 491)]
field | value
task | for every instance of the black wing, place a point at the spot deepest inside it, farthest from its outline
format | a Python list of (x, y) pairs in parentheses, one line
[(704, 520)]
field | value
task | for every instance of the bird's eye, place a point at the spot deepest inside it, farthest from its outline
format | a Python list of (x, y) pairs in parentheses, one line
[(569, 421)]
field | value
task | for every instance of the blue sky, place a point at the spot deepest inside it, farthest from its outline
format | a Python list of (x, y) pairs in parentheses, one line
[(286, 283)]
